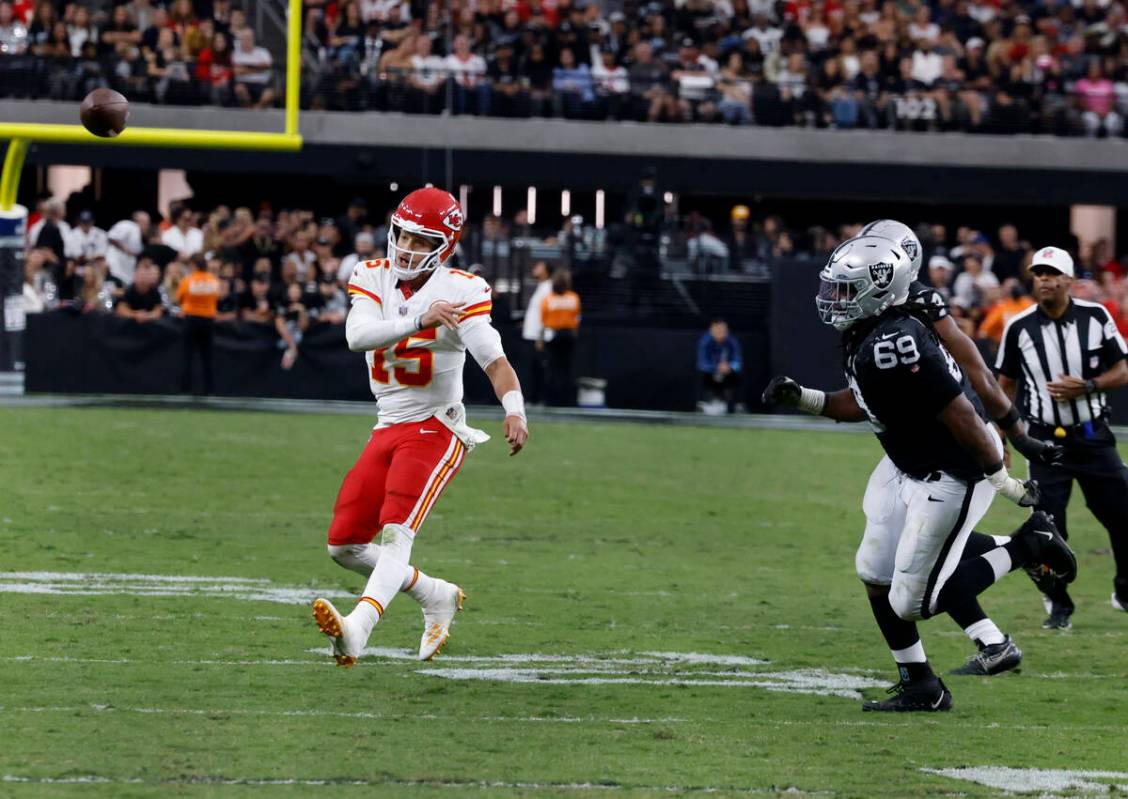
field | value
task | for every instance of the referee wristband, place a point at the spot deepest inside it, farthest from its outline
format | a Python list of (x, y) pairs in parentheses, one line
[(1009, 419), (514, 404)]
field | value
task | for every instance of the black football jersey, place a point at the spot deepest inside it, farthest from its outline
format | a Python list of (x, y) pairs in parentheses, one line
[(926, 303), (902, 377)]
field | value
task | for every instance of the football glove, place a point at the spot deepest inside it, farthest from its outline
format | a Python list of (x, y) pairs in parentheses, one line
[(1024, 494), (782, 390), (1037, 451)]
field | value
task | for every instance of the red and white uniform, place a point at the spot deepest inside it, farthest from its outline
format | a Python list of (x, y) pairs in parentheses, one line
[(421, 437)]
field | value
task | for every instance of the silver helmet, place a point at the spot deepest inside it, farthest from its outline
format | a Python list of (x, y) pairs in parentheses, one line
[(900, 233), (863, 277)]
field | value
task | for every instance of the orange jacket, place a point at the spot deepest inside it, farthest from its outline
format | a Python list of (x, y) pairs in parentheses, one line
[(1000, 313), (198, 294), (561, 311)]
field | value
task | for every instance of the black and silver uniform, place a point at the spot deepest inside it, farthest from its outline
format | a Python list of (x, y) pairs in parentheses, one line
[(926, 303), (902, 377)]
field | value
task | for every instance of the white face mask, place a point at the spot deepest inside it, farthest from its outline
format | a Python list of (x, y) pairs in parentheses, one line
[(419, 261)]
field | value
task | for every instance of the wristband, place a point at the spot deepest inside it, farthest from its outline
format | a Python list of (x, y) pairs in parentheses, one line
[(1009, 419), (1090, 386), (514, 404), (812, 401), (418, 323)]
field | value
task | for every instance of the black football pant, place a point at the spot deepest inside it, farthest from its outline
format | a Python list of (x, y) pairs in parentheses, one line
[(1096, 467), (199, 336)]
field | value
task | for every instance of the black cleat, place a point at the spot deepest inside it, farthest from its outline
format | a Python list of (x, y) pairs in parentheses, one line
[(992, 659), (1060, 618), (1048, 548), (928, 695)]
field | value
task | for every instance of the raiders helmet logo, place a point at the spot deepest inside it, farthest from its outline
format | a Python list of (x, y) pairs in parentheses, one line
[(453, 218), (881, 274), (909, 245)]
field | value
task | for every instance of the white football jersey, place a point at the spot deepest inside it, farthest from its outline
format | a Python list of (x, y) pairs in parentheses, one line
[(421, 375)]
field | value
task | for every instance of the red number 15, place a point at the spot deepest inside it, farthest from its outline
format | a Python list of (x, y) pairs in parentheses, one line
[(424, 361)]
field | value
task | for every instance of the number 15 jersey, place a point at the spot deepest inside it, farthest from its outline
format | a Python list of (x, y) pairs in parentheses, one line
[(903, 378), (421, 376)]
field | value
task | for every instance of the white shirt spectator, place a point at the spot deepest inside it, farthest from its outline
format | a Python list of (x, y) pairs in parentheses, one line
[(469, 73), (768, 38), (123, 260), (531, 327), (258, 57), (85, 244), (385, 11), (706, 245), (929, 32), (13, 38), (927, 67), (187, 242), (968, 288), (609, 81), (428, 70), (305, 263), (817, 35)]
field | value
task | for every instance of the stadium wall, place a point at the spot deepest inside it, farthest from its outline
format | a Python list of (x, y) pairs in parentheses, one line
[(877, 165)]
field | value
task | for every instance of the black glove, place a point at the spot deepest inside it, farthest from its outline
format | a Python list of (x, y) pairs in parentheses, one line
[(782, 391), (1036, 451), (1033, 495)]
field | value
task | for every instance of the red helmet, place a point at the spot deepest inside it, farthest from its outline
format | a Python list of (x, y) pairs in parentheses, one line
[(433, 213)]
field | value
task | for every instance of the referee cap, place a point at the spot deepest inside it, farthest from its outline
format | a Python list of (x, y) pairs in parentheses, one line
[(1055, 258)]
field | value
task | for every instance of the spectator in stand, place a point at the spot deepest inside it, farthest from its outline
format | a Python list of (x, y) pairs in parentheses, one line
[(184, 237), (125, 241), (1097, 96), (509, 97), (13, 35), (1014, 300), (333, 306), (940, 275), (261, 244), (735, 87), (302, 257), (291, 319), (532, 331), (142, 301), (85, 241), (253, 67), (649, 86), (874, 103), (468, 72), (427, 79), (612, 84), (560, 318), (572, 87), (719, 364), (1009, 258), (364, 250), (214, 69), (255, 306), (198, 295), (972, 284)]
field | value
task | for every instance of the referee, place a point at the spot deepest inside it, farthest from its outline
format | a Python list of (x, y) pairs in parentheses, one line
[(1066, 353)]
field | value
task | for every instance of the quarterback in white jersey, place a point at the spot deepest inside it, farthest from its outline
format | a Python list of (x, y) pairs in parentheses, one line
[(414, 319)]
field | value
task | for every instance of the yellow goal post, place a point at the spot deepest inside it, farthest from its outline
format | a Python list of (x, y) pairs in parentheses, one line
[(21, 135)]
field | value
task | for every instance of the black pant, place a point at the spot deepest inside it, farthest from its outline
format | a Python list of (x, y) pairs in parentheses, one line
[(561, 390), (199, 334), (1096, 466), (721, 387), (537, 366)]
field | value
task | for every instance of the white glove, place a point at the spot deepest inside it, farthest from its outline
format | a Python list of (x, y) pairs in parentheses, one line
[(1025, 495)]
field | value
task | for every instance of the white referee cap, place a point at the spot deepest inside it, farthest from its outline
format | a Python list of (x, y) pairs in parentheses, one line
[(1054, 257)]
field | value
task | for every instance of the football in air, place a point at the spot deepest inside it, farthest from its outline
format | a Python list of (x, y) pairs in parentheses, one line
[(104, 113)]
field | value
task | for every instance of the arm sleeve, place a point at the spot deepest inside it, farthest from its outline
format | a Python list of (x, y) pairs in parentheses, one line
[(1009, 360), (482, 341), (365, 329)]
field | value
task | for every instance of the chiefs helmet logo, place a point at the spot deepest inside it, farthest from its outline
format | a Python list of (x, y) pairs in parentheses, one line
[(453, 218)]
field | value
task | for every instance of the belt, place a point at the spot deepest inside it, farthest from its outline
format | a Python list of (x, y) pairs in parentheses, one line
[(1083, 430)]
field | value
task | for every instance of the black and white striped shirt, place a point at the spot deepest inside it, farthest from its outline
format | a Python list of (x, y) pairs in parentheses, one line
[(1036, 350)]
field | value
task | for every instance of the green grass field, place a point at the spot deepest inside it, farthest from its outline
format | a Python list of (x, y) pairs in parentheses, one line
[(650, 569)]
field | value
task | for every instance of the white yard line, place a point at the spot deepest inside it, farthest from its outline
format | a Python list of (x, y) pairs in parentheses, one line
[(1026, 780)]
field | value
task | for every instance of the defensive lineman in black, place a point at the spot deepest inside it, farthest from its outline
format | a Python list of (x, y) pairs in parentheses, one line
[(947, 464), (1065, 354)]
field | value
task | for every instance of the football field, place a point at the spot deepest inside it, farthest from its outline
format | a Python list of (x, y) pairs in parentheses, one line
[(651, 611)]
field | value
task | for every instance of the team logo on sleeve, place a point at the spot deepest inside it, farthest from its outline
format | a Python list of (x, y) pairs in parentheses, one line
[(881, 274)]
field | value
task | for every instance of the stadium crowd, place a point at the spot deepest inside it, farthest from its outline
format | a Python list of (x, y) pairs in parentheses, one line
[(288, 269), (1053, 66)]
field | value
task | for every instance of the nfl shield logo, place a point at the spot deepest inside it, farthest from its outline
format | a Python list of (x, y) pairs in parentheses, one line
[(403, 310), (881, 274)]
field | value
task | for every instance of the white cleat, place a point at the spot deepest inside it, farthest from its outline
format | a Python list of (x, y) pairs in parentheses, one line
[(1118, 603), (346, 644), (438, 613)]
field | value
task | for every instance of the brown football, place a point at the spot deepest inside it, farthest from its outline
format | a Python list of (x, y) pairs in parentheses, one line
[(104, 113)]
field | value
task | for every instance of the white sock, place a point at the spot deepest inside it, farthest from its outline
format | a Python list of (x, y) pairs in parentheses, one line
[(1000, 540), (1000, 561), (985, 632), (362, 558), (911, 654), (388, 577)]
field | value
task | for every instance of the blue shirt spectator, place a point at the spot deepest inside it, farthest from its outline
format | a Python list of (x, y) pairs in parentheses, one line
[(717, 351)]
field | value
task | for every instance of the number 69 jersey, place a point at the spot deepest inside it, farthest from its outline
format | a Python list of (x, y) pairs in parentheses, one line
[(420, 376), (903, 378)]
